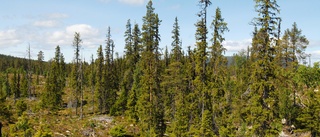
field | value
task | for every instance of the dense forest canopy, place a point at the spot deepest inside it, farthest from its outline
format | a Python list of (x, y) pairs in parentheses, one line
[(267, 89)]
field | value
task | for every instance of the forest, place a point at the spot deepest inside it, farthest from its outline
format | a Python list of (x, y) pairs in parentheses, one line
[(265, 90)]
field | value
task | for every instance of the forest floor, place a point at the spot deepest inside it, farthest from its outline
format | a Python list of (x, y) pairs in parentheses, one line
[(63, 122)]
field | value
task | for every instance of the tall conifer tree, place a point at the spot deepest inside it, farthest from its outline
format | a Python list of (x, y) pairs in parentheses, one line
[(201, 102), (100, 91), (263, 95), (52, 98), (150, 105), (75, 76), (218, 74)]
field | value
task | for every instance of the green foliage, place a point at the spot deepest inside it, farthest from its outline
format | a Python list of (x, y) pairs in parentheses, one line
[(310, 116), (43, 132), (118, 131), (132, 57), (21, 106), (206, 125), (55, 82), (76, 73), (308, 76), (150, 104), (24, 85), (110, 79), (40, 133), (263, 96), (15, 84), (5, 111), (134, 93), (99, 83), (21, 128)]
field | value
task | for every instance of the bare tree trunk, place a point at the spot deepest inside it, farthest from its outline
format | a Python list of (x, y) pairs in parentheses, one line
[(81, 90), (29, 74)]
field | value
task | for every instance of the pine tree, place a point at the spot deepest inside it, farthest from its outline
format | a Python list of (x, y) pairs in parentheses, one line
[(298, 42), (286, 72), (285, 56)]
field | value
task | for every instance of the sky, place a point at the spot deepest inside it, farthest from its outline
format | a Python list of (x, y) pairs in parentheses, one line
[(47, 23)]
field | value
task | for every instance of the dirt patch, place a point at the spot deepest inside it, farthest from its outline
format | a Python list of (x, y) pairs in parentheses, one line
[(106, 119)]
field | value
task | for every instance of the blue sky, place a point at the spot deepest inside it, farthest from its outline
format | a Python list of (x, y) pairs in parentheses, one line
[(45, 24)]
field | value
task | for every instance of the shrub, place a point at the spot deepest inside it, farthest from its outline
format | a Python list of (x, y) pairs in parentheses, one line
[(21, 106), (118, 131)]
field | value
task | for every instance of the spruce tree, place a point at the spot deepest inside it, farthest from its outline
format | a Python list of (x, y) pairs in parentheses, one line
[(126, 83), (92, 81), (40, 62), (202, 100), (75, 76), (6, 86), (15, 84), (52, 97), (24, 84), (263, 96), (218, 74), (176, 43), (40, 66), (100, 91), (136, 74), (150, 105), (174, 88), (109, 78)]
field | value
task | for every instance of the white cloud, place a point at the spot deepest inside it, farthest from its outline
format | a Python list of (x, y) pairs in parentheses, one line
[(90, 36), (9, 38), (46, 23), (235, 46), (84, 29), (132, 2), (46, 39)]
